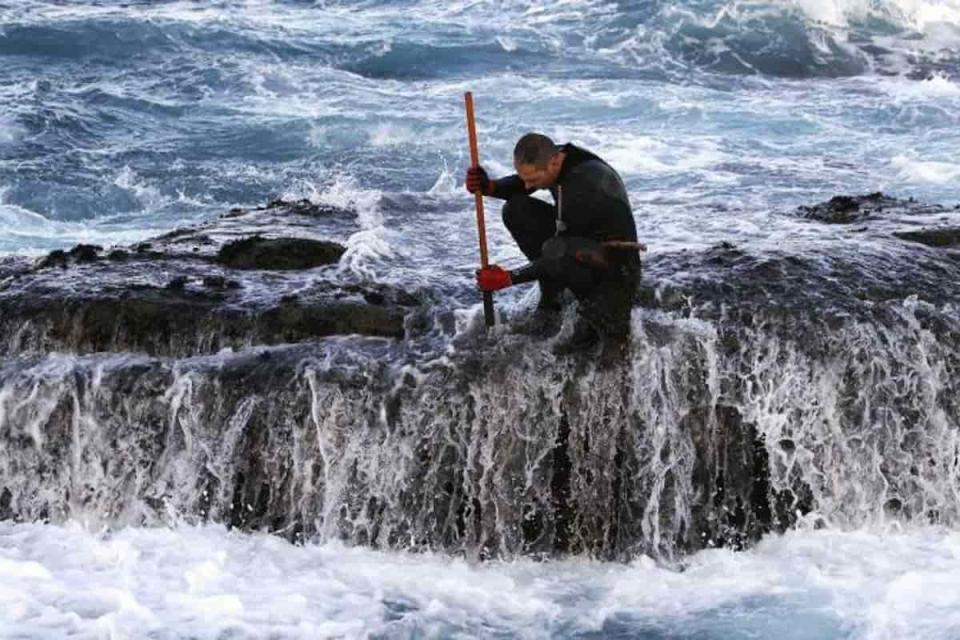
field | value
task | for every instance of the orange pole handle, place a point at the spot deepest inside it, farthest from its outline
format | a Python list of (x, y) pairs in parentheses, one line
[(488, 313), (475, 162)]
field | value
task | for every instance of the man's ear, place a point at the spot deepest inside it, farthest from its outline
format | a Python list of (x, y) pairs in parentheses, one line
[(555, 163)]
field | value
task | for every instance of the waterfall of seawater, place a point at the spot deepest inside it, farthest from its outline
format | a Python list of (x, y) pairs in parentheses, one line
[(711, 431)]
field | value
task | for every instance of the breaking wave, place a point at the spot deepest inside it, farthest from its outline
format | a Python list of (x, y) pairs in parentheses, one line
[(793, 38)]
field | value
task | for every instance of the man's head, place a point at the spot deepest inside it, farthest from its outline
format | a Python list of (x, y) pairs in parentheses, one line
[(537, 161)]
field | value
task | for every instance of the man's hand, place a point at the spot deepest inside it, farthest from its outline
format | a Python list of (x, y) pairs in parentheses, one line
[(477, 181), (596, 258), (493, 278)]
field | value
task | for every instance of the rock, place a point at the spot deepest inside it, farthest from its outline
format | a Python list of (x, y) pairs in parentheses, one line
[(279, 253), (762, 384), (847, 209), (56, 258), (943, 237), (220, 282), (178, 321), (178, 283), (85, 252), (193, 291), (82, 253), (302, 207)]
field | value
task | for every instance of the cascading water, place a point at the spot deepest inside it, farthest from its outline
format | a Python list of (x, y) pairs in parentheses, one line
[(714, 429)]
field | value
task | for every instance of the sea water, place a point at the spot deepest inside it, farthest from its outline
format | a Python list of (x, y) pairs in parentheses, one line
[(119, 121), (207, 582)]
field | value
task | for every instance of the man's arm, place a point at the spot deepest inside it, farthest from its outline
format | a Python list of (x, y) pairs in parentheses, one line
[(508, 187), (504, 188)]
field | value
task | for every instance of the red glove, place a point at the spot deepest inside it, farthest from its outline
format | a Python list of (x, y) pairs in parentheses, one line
[(477, 181), (493, 278)]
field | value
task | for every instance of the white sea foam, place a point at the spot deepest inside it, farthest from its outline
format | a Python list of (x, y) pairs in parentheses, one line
[(17, 220), (10, 131), (146, 194), (646, 155), (915, 170), (388, 135), (921, 15), (508, 43), (936, 86), (446, 184), (206, 582), (370, 244), (30, 233)]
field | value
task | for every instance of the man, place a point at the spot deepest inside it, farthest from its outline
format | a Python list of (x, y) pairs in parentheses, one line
[(585, 242)]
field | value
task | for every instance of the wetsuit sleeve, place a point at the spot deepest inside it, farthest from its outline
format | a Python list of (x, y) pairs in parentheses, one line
[(559, 262), (508, 187)]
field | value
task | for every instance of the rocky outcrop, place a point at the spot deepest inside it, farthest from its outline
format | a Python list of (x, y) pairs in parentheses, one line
[(943, 237), (817, 381), (195, 291), (847, 209), (279, 253)]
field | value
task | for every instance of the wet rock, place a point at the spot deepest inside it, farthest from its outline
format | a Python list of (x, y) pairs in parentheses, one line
[(279, 253), (195, 290), (301, 207), (85, 252), (819, 282), (82, 253), (56, 258), (756, 386), (177, 234), (374, 297), (180, 321), (847, 209), (220, 282), (178, 283), (944, 237)]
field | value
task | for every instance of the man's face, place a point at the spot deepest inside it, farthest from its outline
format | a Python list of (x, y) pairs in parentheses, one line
[(537, 177)]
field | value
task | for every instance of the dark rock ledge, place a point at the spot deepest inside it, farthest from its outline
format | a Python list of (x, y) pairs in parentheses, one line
[(817, 377), (252, 277)]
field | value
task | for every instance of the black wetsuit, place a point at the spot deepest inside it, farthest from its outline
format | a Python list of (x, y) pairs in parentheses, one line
[(591, 207)]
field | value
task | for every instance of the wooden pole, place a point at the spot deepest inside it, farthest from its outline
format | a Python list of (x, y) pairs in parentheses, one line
[(481, 226)]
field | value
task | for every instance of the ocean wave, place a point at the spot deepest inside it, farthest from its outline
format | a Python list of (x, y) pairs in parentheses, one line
[(783, 38), (787, 38), (367, 246), (173, 111), (915, 170), (800, 38), (936, 86), (109, 40), (29, 233)]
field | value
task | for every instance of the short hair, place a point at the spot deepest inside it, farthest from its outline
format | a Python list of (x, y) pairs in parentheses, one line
[(535, 149)]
